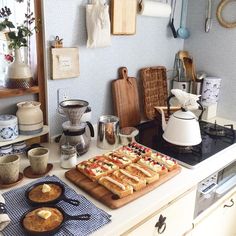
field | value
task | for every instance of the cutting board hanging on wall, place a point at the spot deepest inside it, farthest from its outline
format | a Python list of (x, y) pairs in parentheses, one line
[(123, 17), (125, 99)]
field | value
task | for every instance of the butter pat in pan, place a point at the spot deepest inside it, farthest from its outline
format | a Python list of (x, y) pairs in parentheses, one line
[(46, 188), (44, 214)]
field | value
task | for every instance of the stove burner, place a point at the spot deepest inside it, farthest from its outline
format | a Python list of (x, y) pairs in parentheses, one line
[(191, 156)]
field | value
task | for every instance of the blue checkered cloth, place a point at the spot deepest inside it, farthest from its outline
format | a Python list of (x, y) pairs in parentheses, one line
[(16, 206)]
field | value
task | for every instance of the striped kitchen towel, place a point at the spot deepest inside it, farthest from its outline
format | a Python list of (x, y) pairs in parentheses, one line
[(16, 206)]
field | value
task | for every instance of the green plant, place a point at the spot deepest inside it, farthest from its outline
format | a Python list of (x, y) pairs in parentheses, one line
[(17, 34)]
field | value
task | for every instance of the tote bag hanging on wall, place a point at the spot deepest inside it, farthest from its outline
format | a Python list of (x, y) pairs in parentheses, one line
[(98, 24)]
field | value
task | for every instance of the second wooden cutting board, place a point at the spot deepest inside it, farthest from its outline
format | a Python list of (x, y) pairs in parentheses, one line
[(125, 99)]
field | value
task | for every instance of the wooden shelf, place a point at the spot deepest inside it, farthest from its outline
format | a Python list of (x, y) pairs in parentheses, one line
[(6, 92), (25, 137)]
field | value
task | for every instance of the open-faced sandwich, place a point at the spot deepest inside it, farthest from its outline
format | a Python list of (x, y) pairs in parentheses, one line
[(116, 185), (153, 165), (142, 172), (144, 151), (92, 170), (136, 182), (133, 155), (103, 161), (118, 158), (169, 162)]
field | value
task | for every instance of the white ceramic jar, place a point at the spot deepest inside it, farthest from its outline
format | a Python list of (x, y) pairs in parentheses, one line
[(8, 127), (30, 117)]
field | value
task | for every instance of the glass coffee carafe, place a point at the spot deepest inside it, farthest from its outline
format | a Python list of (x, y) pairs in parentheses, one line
[(75, 132)]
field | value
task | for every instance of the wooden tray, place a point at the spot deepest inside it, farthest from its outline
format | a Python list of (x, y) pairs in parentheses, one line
[(106, 197)]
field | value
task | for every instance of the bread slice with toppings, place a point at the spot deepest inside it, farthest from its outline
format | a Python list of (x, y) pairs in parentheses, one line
[(142, 172), (116, 185), (92, 170), (169, 162), (118, 158), (144, 151), (134, 156), (136, 182), (104, 162), (153, 165)]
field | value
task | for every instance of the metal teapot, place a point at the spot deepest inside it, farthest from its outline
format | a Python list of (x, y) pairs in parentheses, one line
[(183, 126)]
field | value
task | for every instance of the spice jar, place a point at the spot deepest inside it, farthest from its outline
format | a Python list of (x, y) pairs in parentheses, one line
[(68, 156)]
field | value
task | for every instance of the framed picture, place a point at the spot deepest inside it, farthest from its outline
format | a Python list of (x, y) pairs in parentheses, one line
[(65, 63)]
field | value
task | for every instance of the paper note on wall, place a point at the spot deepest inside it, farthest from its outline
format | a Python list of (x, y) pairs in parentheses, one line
[(65, 63)]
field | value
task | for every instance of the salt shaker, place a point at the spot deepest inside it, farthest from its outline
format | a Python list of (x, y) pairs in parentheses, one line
[(68, 156)]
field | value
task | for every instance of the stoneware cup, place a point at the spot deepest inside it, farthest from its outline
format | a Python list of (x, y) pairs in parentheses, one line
[(9, 169), (38, 158)]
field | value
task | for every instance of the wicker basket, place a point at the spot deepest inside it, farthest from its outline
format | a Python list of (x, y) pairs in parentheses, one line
[(154, 82)]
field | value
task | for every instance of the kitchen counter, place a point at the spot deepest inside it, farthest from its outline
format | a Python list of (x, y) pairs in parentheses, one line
[(131, 214)]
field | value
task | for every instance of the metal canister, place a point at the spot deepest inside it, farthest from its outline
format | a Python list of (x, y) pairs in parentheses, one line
[(108, 132), (68, 156)]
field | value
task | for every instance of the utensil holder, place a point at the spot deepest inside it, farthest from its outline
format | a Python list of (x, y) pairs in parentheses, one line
[(183, 85)]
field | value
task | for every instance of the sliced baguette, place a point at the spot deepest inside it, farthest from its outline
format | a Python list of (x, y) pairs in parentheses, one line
[(142, 172), (116, 185), (136, 182), (128, 152)]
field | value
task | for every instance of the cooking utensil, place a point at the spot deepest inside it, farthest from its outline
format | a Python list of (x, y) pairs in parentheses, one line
[(108, 132), (208, 21), (66, 218), (171, 23), (125, 99), (183, 127), (61, 197), (183, 32)]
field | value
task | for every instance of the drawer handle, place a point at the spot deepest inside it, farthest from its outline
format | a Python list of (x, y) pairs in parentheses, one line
[(161, 224), (232, 203)]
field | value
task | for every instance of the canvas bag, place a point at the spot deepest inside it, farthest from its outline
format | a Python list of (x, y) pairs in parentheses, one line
[(98, 24)]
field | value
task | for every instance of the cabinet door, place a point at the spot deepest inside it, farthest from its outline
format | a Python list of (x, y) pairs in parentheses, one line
[(173, 220), (229, 214), (219, 222)]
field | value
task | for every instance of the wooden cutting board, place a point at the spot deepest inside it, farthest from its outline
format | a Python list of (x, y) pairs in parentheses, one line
[(125, 99), (123, 17), (154, 83), (101, 194)]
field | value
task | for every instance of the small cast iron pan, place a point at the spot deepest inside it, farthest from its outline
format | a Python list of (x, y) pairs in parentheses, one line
[(66, 218), (60, 197)]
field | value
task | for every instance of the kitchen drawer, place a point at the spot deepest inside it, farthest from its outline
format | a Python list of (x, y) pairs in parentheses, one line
[(178, 216)]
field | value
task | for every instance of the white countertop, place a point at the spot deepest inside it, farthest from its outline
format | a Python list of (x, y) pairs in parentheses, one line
[(129, 215)]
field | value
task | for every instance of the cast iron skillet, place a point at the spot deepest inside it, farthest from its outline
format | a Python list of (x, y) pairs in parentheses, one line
[(62, 197), (66, 218)]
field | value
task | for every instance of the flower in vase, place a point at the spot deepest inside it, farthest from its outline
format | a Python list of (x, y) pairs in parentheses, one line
[(17, 35)]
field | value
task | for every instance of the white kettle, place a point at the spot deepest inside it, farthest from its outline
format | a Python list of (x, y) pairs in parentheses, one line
[(183, 126)]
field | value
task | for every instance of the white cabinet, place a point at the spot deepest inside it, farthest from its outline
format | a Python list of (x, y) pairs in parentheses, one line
[(220, 219), (173, 220)]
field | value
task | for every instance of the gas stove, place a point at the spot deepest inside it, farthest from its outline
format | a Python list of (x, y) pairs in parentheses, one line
[(215, 138)]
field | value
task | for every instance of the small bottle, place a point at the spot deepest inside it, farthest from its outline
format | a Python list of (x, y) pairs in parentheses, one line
[(68, 156)]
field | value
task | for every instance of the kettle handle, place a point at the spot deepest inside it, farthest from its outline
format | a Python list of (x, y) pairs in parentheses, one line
[(90, 128), (168, 107)]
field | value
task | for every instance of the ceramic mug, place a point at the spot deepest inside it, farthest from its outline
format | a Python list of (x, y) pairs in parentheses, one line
[(9, 169), (38, 158)]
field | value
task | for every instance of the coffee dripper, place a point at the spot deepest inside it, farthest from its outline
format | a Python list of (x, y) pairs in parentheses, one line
[(74, 131)]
